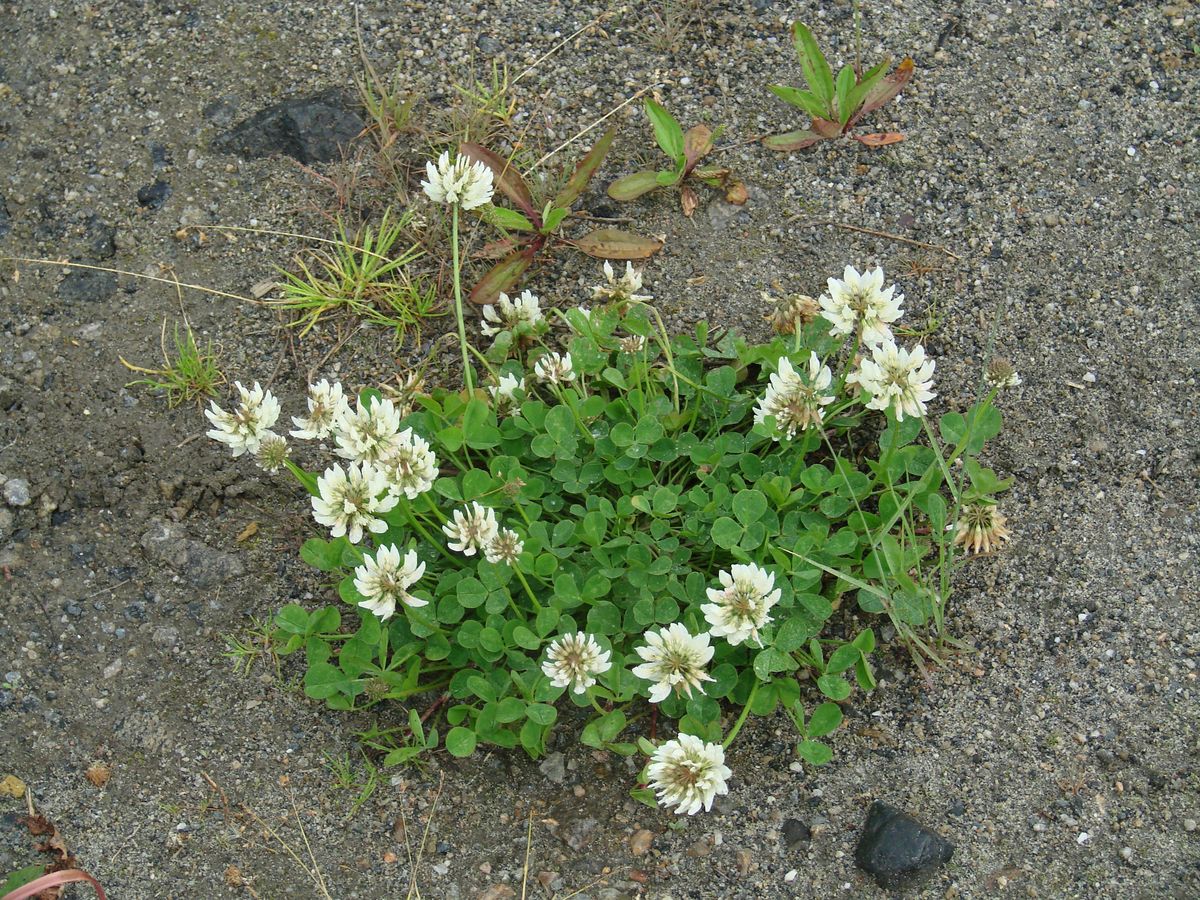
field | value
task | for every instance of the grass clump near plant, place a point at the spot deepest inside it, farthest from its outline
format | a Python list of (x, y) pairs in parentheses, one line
[(190, 373), (617, 519)]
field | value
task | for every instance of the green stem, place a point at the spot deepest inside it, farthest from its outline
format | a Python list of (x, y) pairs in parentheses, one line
[(441, 517), (741, 720), (596, 705), (458, 302), (525, 584), (421, 530)]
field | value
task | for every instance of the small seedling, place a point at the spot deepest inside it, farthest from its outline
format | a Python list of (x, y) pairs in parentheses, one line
[(836, 104), (192, 374), (362, 275), (685, 152), (529, 231)]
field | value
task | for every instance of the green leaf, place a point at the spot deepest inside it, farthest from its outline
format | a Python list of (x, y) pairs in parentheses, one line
[(22, 877), (460, 742), (323, 680), (842, 659), (771, 660), (507, 219), (805, 100), (510, 709), (560, 424), (842, 87), (542, 713), (630, 187), (726, 533), (749, 506), (292, 619), (323, 555), (984, 480), (792, 634), (825, 720), (554, 218), (792, 140), (834, 687), (667, 131), (604, 618), (865, 641), (816, 70), (814, 752), (585, 169), (644, 796)]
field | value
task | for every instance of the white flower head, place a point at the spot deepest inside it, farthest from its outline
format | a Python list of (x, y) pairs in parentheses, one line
[(633, 343), (409, 466), (351, 500), (674, 661), (244, 429), (368, 433), (326, 406), (860, 302), (472, 529), (504, 394), (795, 401), (554, 368), (1000, 374), (468, 184), (272, 453), (742, 605), (574, 661), (688, 773), (505, 547), (385, 579), (896, 378), (508, 313), (621, 290)]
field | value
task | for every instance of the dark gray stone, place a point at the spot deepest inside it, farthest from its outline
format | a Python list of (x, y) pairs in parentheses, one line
[(5, 221), (153, 196), (87, 285), (898, 850), (200, 564), (309, 129), (796, 834), (101, 239)]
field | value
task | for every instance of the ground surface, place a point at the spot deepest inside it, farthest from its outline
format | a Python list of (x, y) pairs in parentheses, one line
[(1051, 146)]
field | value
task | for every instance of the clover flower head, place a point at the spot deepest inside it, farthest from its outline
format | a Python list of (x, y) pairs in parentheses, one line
[(505, 547), (688, 773), (461, 181), (859, 302), (574, 661), (385, 578), (326, 406), (674, 661), (794, 400), (368, 433), (272, 453), (1001, 374), (633, 343), (742, 605), (981, 527), (351, 500), (506, 314), (472, 529), (621, 290), (791, 313), (896, 378), (504, 394), (409, 465), (244, 429), (554, 368)]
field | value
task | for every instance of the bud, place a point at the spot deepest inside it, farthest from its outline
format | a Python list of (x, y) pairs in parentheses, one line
[(790, 313), (1001, 374)]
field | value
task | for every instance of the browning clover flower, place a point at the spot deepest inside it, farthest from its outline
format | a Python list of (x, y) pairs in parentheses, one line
[(574, 660), (504, 394), (505, 547), (326, 406), (674, 661), (385, 579), (1000, 374), (688, 773), (508, 314), (272, 453), (633, 343), (859, 303), (981, 528), (794, 401), (462, 182), (900, 379), (409, 466), (554, 368), (789, 314), (244, 429), (473, 528), (352, 499), (621, 290), (369, 433), (742, 605)]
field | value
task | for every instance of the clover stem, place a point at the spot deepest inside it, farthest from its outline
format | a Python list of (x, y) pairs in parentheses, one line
[(525, 584), (458, 302), (741, 719)]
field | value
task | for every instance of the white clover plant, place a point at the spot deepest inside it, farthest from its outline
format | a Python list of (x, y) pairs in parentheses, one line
[(617, 519)]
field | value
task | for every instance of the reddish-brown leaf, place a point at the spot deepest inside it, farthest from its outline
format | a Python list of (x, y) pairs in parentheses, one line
[(735, 192), (879, 139), (613, 243), (697, 144), (497, 249), (502, 276), (825, 128), (885, 90), (688, 201), (584, 171), (508, 180)]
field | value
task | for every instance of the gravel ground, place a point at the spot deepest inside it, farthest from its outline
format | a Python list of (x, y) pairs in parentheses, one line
[(1051, 146)]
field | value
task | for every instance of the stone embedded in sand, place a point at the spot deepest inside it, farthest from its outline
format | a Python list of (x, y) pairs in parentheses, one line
[(897, 849)]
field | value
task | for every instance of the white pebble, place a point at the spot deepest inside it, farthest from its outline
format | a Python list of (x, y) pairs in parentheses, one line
[(1090, 377), (1084, 838), (790, 876)]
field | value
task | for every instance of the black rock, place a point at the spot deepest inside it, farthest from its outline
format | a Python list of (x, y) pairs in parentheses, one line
[(153, 196), (87, 285), (101, 238), (796, 834), (897, 849), (488, 45), (160, 157), (310, 129), (5, 221)]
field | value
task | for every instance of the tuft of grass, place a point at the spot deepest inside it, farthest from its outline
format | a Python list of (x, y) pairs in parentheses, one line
[(191, 374), (670, 21), (485, 106), (390, 113), (363, 274), (256, 643), (341, 768)]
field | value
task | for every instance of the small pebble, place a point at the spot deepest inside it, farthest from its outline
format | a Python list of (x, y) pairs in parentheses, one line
[(1189, 824), (640, 843)]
